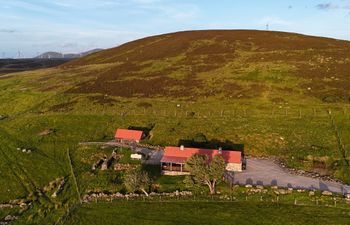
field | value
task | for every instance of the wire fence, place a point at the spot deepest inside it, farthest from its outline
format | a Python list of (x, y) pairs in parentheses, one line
[(248, 112)]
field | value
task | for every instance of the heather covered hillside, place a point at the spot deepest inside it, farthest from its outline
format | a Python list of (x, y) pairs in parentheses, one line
[(235, 64)]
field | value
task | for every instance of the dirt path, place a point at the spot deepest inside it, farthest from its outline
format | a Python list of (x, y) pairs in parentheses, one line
[(268, 173)]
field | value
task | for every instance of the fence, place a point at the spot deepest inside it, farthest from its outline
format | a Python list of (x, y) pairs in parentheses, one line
[(248, 112)]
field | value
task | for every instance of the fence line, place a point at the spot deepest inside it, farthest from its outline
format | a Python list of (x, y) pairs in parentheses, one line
[(73, 176), (273, 113)]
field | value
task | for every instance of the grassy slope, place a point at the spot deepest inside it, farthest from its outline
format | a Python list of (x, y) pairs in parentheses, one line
[(250, 78)]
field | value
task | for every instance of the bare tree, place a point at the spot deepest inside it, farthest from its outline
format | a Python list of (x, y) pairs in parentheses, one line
[(136, 180)]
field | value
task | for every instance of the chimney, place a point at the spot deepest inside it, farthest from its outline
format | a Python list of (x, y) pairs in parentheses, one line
[(220, 150), (182, 147)]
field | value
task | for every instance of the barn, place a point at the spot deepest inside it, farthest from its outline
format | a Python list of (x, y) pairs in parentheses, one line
[(128, 136), (174, 159)]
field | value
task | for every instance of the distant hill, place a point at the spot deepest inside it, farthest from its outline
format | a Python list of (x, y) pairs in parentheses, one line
[(19, 65), (236, 64), (58, 55)]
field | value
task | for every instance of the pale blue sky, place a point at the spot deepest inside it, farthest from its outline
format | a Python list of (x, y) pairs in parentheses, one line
[(36, 26)]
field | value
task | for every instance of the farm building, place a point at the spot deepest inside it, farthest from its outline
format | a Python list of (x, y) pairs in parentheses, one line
[(128, 136), (174, 159)]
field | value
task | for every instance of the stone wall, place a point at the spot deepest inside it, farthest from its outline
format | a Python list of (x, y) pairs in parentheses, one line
[(174, 173)]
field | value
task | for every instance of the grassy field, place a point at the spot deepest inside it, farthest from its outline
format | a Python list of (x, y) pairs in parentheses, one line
[(168, 213), (273, 100)]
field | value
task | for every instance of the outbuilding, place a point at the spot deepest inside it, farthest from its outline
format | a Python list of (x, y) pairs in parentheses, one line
[(128, 136)]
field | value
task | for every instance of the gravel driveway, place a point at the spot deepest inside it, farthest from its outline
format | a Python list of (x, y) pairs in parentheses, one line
[(268, 173)]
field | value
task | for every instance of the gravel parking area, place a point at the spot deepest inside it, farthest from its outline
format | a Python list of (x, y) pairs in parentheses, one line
[(268, 173)]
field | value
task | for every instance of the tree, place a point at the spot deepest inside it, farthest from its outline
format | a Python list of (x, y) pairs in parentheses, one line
[(204, 172), (136, 180)]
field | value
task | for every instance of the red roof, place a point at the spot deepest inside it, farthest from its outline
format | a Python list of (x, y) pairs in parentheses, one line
[(128, 134), (176, 155)]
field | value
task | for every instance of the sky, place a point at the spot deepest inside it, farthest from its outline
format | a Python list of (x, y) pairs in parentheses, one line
[(32, 27)]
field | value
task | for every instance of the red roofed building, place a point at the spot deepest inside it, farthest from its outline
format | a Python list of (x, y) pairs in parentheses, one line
[(123, 135), (174, 159)]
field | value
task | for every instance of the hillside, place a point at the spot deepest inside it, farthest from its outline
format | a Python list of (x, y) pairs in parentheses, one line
[(268, 94), (18, 65), (233, 63)]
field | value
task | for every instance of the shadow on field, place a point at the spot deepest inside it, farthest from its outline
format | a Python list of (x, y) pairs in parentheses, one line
[(146, 130), (200, 141)]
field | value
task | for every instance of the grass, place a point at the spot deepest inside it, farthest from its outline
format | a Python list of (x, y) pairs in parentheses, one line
[(166, 213)]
